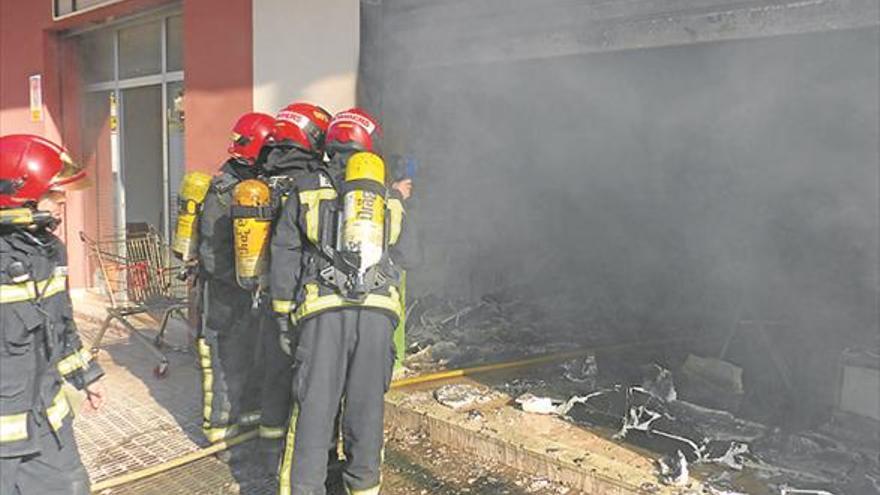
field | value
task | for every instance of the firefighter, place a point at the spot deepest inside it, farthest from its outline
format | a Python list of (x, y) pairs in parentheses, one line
[(296, 148), (228, 339), (40, 347), (335, 264)]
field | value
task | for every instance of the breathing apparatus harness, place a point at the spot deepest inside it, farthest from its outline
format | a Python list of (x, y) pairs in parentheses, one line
[(353, 236)]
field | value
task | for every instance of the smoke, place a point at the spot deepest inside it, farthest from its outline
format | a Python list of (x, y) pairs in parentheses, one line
[(653, 190)]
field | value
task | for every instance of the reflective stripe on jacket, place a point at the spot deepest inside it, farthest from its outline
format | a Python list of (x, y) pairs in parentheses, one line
[(14, 427)]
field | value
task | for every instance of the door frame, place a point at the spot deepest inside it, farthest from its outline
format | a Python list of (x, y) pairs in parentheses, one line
[(117, 135)]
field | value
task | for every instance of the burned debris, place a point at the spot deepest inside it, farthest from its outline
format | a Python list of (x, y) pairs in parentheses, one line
[(686, 415), (460, 396)]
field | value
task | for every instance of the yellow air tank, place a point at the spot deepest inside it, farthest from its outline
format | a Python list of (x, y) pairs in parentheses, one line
[(251, 225), (363, 219), (193, 189)]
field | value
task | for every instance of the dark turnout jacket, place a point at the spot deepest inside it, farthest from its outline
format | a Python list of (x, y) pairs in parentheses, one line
[(39, 344)]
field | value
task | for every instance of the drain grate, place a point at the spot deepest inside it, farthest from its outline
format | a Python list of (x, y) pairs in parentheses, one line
[(146, 421)]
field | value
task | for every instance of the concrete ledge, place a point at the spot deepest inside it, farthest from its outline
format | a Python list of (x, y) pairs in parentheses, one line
[(539, 445), (493, 31)]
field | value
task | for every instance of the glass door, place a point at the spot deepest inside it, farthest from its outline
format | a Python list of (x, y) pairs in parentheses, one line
[(142, 171), (100, 146), (132, 74), (174, 125)]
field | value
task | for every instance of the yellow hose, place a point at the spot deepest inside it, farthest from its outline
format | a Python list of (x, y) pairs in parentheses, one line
[(523, 363), (416, 380), (173, 463)]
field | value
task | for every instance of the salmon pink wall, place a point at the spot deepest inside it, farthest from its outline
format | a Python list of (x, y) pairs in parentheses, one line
[(218, 64), (22, 27), (30, 44)]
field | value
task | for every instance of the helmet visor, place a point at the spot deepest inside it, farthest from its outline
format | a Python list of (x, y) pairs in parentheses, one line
[(72, 176)]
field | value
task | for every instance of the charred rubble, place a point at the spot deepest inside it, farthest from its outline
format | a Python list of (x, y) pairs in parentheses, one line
[(691, 415)]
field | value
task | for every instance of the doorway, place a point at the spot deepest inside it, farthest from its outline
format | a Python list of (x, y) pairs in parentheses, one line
[(132, 75)]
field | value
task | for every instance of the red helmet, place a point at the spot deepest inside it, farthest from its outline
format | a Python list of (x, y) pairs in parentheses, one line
[(302, 124), (249, 134), (353, 130), (31, 166)]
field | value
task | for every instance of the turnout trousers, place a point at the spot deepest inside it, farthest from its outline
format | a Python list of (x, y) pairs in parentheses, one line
[(342, 353), (228, 350), (277, 382), (57, 468)]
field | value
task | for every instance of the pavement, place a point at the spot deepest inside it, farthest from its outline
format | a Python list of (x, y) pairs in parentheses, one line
[(148, 420)]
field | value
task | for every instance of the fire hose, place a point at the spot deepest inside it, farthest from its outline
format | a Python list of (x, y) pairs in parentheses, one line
[(404, 382)]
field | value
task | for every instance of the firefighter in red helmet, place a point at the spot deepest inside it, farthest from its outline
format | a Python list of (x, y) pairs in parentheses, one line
[(337, 250), (40, 346), (355, 130), (227, 343), (296, 145)]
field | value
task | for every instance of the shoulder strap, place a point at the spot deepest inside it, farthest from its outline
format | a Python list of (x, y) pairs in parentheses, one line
[(223, 182)]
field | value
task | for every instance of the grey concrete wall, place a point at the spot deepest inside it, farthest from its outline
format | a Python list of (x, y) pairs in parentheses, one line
[(502, 30)]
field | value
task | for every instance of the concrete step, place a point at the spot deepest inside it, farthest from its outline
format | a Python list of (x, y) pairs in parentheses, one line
[(542, 445)]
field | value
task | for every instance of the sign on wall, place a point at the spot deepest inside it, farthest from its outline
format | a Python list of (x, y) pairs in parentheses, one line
[(36, 93), (114, 116)]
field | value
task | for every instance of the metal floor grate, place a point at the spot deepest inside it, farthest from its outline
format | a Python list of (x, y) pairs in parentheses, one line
[(146, 421)]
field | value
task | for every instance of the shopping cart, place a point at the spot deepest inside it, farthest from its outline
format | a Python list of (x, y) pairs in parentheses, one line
[(138, 275)]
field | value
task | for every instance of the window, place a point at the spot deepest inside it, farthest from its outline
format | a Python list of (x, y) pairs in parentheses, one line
[(96, 56), (65, 7), (174, 34), (140, 50)]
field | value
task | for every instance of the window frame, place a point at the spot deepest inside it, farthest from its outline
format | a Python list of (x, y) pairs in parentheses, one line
[(57, 17)]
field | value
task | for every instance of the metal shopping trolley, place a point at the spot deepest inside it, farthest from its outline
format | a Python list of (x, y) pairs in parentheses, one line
[(139, 275)]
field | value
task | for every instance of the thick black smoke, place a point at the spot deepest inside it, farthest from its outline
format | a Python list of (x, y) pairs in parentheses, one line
[(656, 190)]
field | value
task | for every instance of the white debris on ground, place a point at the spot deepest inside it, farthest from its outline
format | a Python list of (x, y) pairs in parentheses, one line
[(794, 491), (459, 396), (674, 470), (538, 405), (658, 383), (689, 402)]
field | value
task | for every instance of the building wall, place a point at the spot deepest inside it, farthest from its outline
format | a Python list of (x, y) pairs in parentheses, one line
[(218, 87), (21, 55), (232, 64), (305, 50), (29, 45), (218, 69)]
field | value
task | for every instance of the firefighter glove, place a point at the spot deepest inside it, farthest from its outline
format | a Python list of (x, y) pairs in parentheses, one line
[(285, 334)]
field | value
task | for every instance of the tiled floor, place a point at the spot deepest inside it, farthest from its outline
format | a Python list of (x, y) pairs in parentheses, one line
[(147, 420)]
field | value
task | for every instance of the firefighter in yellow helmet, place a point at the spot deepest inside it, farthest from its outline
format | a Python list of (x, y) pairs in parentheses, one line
[(336, 253), (39, 345), (228, 337)]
